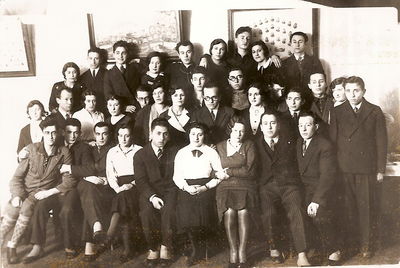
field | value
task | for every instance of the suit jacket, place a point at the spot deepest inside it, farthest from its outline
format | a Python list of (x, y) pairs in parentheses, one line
[(80, 156), (292, 74), (177, 74), (245, 115), (141, 128), (279, 165), (76, 96), (177, 137), (327, 107), (218, 128), (96, 84), (318, 169), (361, 139), (24, 137), (149, 175), (123, 85), (290, 125)]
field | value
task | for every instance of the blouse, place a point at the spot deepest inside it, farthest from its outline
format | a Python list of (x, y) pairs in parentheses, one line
[(88, 121), (255, 117)]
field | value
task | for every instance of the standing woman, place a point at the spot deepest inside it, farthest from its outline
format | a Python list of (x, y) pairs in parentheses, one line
[(194, 167), (264, 64), (178, 117), (237, 197), (71, 73), (120, 177), (154, 74), (115, 106), (147, 114)]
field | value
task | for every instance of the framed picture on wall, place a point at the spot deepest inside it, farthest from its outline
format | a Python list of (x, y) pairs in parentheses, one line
[(16, 48), (157, 31), (274, 27)]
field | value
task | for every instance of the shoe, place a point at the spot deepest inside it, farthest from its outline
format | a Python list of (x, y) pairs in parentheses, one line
[(89, 258), (126, 257), (334, 263), (165, 253), (277, 259), (29, 259), (12, 255), (302, 260), (232, 265), (99, 237), (165, 262), (71, 254), (151, 263), (243, 265)]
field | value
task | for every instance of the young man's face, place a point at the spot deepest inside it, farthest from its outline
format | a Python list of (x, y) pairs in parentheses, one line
[(294, 101), (338, 93), (298, 44), (124, 137), (143, 97), (354, 93), (198, 80), (159, 136), (102, 135), (90, 103), (196, 137), (211, 98), (235, 79), (243, 40), (120, 55), (114, 107), (317, 85), (307, 127), (254, 96), (155, 65), (71, 134), (93, 60), (269, 126), (65, 101), (185, 54), (49, 135)]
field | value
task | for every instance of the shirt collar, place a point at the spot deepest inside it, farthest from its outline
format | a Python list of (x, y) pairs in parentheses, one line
[(264, 64), (64, 113), (119, 65), (200, 148), (276, 139), (358, 106), (293, 112), (230, 149), (215, 110), (308, 141), (130, 148), (155, 148), (297, 56)]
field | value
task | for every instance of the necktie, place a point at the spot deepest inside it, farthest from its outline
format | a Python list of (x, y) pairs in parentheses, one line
[(261, 70), (159, 153), (213, 115), (299, 61), (196, 153), (67, 116), (272, 144), (356, 110), (304, 147), (123, 69), (295, 118), (94, 74)]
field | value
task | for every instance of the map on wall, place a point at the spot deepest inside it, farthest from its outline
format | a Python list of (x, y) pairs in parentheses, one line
[(157, 31)]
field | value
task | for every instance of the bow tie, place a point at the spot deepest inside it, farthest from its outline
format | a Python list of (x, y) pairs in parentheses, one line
[(196, 153)]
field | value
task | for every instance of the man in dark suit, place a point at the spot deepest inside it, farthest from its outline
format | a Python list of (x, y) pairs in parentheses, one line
[(359, 131), (298, 67), (318, 171), (93, 78), (153, 166), (290, 119), (321, 104), (213, 114), (279, 184), (124, 78)]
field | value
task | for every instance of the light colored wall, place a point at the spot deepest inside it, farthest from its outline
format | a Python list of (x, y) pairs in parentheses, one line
[(62, 36)]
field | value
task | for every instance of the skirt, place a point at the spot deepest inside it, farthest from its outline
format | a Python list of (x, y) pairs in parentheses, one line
[(126, 202), (196, 210)]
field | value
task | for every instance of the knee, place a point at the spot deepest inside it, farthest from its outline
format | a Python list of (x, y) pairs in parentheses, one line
[(12, 212)]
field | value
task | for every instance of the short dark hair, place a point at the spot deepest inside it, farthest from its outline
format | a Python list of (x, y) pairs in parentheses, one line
[(61, 89), (145, 88), (216, 42), (121, 43), (235, 68), (162, 122), (120, 100), (316, 72), (123, 126), (94, 50), (199, 125), (184, 43), (70, 65), (270, 111), (234, 120), (36, 102), (273, 78), (101, 124), (88, 92), (301, 34), (73, 122), (356, 80), (155, 54), (210, 84), (199, 70), (49, 122), (243, 29), (296, 89), (337, 81), (311, 114), (263, 46)]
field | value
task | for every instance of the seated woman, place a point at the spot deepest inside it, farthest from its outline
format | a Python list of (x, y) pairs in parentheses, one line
[(237, 197), (178, 117), (120, 177), (197, 171), (276, 92), (31, 133), (88, 116), (265, 65), (155, 65), (147, 114), (71, 73), (216, 65), (115, 106)]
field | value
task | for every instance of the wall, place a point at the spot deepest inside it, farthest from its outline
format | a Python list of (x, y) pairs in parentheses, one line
[(62, 36)]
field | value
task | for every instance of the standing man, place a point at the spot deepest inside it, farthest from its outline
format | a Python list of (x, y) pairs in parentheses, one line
[(359, 131), (154, 169)]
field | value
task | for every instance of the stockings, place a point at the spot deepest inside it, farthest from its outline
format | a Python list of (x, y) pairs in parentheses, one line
[(237, 230)]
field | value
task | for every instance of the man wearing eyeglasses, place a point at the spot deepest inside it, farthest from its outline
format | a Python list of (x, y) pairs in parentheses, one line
[(235, 95), (213, 114)]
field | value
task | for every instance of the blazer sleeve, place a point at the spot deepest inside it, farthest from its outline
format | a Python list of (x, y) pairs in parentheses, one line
[(333, 126), (24, 138), (68, 181), (18, 180), (52, 101), (249, 169), (141, 176), (108, 88), (381, 141)]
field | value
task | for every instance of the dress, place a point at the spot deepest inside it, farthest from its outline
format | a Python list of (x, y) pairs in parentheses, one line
[(239, 191)]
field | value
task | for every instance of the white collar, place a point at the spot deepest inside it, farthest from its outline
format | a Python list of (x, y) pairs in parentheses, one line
[(230, 149), (130, 148), (301, 55), (264, 64), (64, 113), (178, 123), (276, 139), (119, 65), (293, 112), (155, 148), (308, 142), (358, 106)]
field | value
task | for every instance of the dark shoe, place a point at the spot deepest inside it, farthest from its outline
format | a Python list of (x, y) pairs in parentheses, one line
[(151, 263), (12, 255), (243, 265), (71, 254), (89, 258), (166, 262), (99, 237), (277, 259), (366, 254), (334, 263), (29, 259), (126, 257), (232, 265)]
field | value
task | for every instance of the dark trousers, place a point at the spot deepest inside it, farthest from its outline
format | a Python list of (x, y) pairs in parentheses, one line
[(67, 208), (289, 196), (360, 201), (96, 205), (159, 222)]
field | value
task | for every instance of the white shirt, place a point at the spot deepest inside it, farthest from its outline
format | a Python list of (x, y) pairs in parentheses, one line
[(298, 56), (265, 64), (268, 140), (231, 149), (178, 122), (337, 103), (120, 66), (189, 167), (88, 121), (358, 106), (64, 113), (255, 116), (95, 71), (307, 142), (119, 163), (294, 112), (35, 131)]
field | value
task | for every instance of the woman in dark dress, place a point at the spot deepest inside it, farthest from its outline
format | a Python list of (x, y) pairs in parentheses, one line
[(264, 65), (194, 167), (115, 106), (155, 65), (178, 117), (237, 196), (71, 73)]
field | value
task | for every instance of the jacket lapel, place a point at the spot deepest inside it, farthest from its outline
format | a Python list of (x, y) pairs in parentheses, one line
[(306, 159), (153, 161), (362, 115)]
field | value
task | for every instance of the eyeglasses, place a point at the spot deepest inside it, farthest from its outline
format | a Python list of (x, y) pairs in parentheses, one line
[(213, 98), (235, 78)]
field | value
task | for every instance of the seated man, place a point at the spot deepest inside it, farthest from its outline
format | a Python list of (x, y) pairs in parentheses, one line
[(154, 168), (235, 95), (142, 96), (279, 184), (318, 171), (195, 100), (37, 180)]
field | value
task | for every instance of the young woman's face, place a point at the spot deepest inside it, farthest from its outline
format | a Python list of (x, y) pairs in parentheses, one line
[(155, 65), (90, 103), (218, 51), (158, 95), (124, 137), (258, 53), (237, 133), (338, 93), (196, 137), (178, 98), (71, 75), (254, 96), (35, 112), (114, 107)]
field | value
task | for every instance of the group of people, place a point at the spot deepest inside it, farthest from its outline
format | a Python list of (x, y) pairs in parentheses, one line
[(241, 140)]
